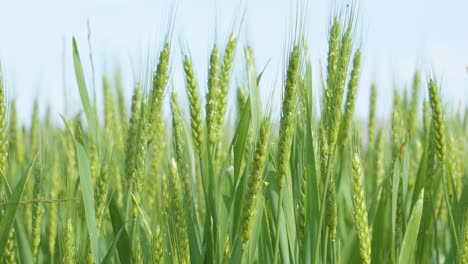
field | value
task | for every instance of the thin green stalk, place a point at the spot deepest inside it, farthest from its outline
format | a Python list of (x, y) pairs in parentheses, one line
[(322, 215), (278, 226), (325, 248)]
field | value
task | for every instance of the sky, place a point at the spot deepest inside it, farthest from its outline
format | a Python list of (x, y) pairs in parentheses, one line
[(396, 37)]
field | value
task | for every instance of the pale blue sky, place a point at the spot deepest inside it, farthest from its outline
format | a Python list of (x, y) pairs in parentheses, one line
[(396, 36)]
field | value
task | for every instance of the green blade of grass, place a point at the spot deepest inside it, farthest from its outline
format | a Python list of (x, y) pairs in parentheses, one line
[(8, 219), (312, 192), (123, 243), (265, 241), (80, 80), (255, 103), (24, 247), (396, 181), (239, 139), (420, 178), (290, 224), (236, 210), (380, 234), (115, 242), (88, 198), (255, 232), (461, 206), (224, 210), (411, 235)]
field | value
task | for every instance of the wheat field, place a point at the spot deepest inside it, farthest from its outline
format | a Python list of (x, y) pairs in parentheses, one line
[(316, 185)]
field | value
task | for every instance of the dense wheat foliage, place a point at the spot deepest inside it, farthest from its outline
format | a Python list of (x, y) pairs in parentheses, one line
[(209, 185)]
